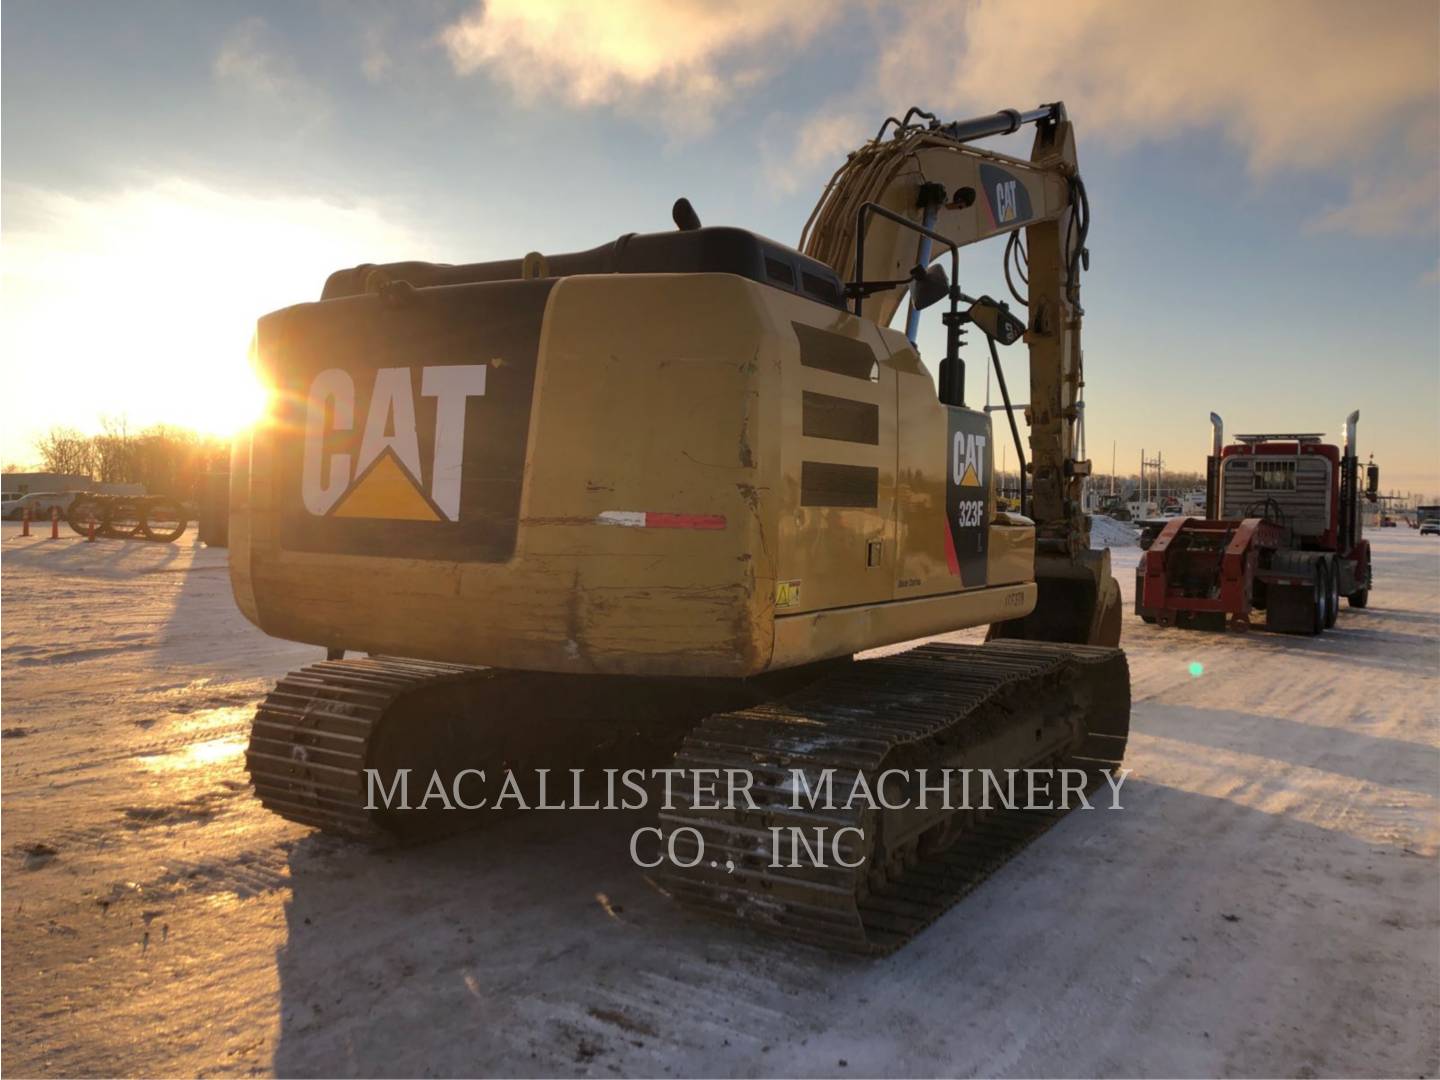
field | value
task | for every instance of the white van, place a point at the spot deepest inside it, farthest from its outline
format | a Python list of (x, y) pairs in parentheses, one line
[(37, 502)]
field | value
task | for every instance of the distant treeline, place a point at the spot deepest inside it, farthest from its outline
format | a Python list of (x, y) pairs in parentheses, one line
[(167, 460)]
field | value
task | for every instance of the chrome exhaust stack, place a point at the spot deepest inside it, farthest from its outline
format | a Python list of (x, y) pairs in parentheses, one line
[(1212, 467), (1349, 510)]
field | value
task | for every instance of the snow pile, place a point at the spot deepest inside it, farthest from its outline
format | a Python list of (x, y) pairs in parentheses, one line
[(1106, 532)]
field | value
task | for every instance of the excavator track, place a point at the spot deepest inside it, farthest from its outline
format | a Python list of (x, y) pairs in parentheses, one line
[(1003, 705), (318, 731)]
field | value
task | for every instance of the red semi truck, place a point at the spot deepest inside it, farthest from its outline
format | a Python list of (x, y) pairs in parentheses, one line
[(1281, 534)]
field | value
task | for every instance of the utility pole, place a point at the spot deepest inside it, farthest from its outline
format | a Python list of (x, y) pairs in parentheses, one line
[(1151, 470)]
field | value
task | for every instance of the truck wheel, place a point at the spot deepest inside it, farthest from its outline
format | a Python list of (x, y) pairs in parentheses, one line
[(165, 521), (1320, 595), (1332, 593), (1359, 598), (85, 510)]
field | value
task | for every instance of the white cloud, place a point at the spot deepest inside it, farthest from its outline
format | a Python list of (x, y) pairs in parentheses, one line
[(1387, 204), (1293, 82), (255, 68), (377, 62), (1313, 84), (795, 151), (681, 58), (1392, 194)]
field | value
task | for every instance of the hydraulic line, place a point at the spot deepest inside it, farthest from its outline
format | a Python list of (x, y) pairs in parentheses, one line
[(1010, 415)]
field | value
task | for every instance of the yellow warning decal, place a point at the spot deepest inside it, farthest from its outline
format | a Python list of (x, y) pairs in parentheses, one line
[(386, 491), (787, 594)]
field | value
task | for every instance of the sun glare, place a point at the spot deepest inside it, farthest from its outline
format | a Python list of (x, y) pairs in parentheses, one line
[(236, 398), (140, 306), (240, 400)]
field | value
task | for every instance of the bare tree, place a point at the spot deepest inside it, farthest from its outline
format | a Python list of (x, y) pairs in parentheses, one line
[(65, 450), (173, 461), (167, 460), (114, 451)]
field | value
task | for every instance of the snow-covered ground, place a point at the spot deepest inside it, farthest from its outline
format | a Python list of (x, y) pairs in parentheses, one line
[(1107, 532), (1267, 903)]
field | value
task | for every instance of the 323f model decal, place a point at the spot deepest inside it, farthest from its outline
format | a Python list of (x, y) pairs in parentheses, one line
[(967, 488)]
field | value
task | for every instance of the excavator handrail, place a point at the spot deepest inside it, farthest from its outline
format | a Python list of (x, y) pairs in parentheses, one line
[(899, 219)]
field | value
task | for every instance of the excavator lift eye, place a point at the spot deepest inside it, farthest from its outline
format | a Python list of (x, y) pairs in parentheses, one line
[(684, 215)]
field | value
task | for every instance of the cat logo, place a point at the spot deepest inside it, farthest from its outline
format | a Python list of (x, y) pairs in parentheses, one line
[(382, 479), (1008, 197), (1005, 201), (967, 459), (967, 478)]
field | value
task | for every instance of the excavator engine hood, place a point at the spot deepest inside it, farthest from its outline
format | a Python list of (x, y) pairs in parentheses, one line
[(517, 473)]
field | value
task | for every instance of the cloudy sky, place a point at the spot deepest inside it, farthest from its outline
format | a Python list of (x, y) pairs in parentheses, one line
[(1265, 180)]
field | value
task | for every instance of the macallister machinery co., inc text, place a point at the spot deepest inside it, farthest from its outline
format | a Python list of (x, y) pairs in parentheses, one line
[(944, 789)]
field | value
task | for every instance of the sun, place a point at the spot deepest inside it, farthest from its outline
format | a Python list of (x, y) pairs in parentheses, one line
[(138, 306), (234, 400), (200, 376)]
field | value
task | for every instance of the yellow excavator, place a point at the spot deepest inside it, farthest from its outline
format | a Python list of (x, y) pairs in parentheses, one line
[(567, 505)]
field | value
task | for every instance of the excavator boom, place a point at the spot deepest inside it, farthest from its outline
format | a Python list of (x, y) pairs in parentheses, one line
[(928, 173)]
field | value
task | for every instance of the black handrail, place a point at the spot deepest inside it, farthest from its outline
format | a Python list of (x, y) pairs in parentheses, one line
[(899, 219), (1010, 413), (952, 368)]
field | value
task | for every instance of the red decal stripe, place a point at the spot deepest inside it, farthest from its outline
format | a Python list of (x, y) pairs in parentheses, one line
[(684, 521), (950, 556)]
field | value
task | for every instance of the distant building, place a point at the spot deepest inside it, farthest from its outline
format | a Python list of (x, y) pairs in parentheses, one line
[(22, 483)]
